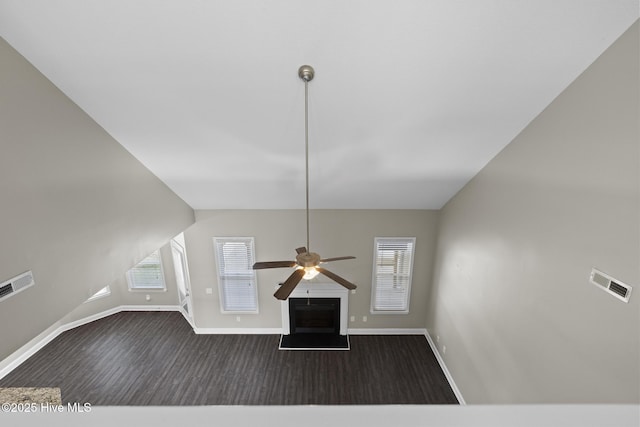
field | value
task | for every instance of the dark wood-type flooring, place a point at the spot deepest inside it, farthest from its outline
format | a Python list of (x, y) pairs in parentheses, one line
[(155, 358)]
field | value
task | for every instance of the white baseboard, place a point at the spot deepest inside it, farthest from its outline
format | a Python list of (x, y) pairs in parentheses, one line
[(149, 308), (387, 331), (239, 331), (416, 331), (278, 331), (16, 358), (444, 368)]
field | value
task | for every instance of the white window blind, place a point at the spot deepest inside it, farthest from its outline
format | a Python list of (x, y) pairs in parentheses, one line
[(392, 269), (147, 274), (236, 278)]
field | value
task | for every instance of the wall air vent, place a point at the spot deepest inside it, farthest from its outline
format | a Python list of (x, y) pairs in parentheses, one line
[(16, 284), (613, 286), (6, 290)]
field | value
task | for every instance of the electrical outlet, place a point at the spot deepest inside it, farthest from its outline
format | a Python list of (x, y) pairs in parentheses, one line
[(208, 291), (364, 318), (437, 338), (353, 291), (444, 349), (353, 318), (238, 318)]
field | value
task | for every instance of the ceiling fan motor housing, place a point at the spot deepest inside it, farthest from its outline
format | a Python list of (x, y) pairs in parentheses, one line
[(308, 259)]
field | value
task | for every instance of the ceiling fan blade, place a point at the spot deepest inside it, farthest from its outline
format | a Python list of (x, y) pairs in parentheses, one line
[(301, 250), (337, 258), (285, 289), (273, 264), (344, 282)]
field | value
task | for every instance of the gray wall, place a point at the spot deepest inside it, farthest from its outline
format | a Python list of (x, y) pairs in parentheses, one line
[(122, 296), (511, 299), (333, 233), (77, 209)]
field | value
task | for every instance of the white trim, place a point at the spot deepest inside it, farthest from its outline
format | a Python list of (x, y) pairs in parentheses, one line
[(218, 244), (187, 318), (148, 308), (16, 358), (374, 276), (177, 249), (140, 288), (239, 331), (387, 331), (444, 368), (102, 293), (318, 290)]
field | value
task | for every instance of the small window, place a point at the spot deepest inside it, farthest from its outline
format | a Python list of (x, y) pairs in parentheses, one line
[(104, 292), (392, 269), (236, 278), (147, 275)]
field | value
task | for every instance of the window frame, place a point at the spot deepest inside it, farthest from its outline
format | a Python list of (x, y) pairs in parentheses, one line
[(376, 275), (133, 287), (102, 293), (250, 274)]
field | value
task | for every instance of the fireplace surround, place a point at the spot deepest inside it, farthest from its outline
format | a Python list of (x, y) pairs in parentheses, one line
[(315, 317)]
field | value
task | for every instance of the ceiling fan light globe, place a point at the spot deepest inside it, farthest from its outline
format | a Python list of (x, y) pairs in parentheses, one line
[(310, 273)]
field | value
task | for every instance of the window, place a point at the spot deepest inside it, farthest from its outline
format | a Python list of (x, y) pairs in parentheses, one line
[(147, 275), (392, 267), (236, 277), (106, 291)]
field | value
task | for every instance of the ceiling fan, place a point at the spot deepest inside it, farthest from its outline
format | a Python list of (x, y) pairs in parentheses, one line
[(307, 263)]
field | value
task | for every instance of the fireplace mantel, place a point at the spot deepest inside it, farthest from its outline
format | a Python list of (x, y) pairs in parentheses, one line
[(318, 290)]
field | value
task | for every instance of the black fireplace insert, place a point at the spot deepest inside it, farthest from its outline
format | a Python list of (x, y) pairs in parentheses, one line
[(314, 315), (314, 323)]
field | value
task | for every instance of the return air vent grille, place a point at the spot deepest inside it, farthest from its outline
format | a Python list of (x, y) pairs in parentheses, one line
[(16, 284), (613, 286), (6, 290), (618, 289)]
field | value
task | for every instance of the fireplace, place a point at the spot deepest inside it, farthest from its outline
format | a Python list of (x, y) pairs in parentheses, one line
[(315, 317)]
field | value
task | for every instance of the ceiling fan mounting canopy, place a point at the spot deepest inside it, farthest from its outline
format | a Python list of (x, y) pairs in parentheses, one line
[(306, 73), (307, 263)]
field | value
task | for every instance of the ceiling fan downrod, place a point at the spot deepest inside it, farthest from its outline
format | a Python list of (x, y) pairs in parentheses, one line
[(306, 73), (307, 263)]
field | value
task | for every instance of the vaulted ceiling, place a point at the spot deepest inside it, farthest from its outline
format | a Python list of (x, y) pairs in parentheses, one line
[(411, 98)]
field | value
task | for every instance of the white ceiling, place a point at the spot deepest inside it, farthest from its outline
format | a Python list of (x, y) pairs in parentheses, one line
[(411, 97)]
